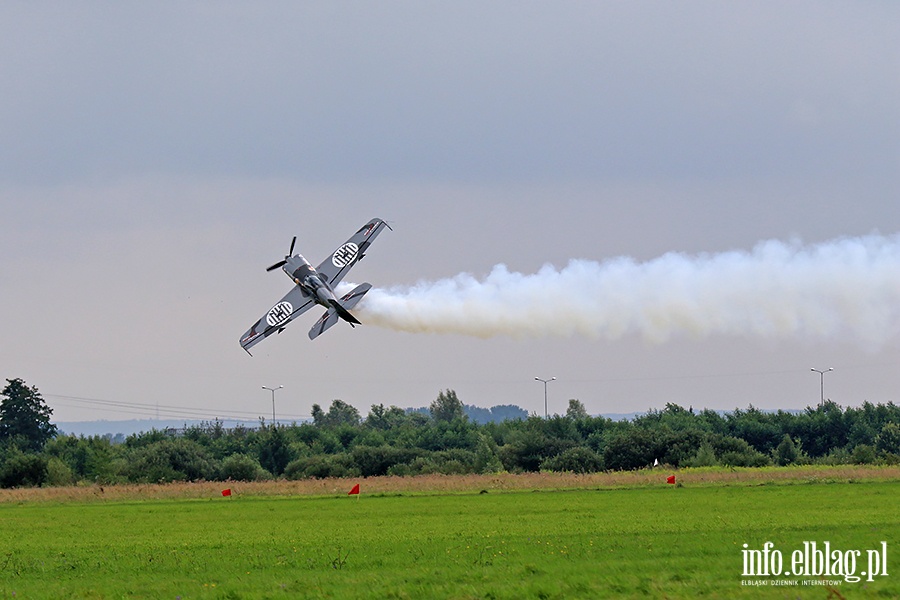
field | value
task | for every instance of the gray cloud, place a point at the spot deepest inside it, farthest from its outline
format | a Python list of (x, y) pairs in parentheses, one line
[(467, 92)]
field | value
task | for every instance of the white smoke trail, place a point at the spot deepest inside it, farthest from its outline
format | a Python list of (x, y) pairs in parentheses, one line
[(843, 288)]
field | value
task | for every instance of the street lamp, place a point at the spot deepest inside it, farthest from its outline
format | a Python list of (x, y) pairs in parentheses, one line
[(273, 400), (821, 384), (545, 382)]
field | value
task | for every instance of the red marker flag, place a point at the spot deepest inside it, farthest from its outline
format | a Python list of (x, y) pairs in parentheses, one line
[(670, 479), (355, 490), (226, 492)]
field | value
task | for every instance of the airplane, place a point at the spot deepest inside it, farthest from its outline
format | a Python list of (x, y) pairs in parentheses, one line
[(316, 286)]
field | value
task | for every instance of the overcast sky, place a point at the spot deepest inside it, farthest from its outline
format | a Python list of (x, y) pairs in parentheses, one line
[(155, 158)]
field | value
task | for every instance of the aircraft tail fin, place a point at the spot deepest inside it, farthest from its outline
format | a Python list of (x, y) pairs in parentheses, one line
[(340, 309), (344, 313)]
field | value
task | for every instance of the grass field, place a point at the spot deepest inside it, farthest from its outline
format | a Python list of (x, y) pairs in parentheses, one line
[(622, 540)]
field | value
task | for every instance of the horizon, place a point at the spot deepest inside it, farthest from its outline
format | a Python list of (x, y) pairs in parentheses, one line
[(91, 428)]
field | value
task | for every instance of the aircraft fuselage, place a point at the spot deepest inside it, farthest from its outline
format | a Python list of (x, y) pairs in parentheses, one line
[(304, 275)]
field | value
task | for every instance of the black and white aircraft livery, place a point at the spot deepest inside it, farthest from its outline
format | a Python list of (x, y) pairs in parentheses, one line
[(316, 286)]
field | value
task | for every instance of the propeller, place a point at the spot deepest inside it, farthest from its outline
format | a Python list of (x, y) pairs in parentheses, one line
[(281, 263)]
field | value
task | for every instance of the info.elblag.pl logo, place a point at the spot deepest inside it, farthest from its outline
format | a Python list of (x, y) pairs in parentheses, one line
[(816, 560)]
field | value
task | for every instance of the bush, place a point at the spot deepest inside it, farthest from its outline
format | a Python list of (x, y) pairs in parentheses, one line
[(744, 459), (677, 447), (838, 456), (574, 460), (321, 466), (22, 470), (59, 473), (274, 450), (419, 466), (401, 470), (704, 457), (632, 449), (889, 458), (240, 467), (454, 461), (377, 460), (525, 450), (863, 454), (89, 458), (427, 464), (169, 460), (736, 452)]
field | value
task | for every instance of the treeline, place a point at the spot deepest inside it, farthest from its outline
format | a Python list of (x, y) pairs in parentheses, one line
[(392, 441)]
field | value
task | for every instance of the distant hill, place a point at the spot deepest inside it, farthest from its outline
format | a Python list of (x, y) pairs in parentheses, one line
[(495, 414), (126, 428), (477, 414), (133, 426)]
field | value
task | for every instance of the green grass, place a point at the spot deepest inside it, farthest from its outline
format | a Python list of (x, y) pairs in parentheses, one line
[(658, 541)]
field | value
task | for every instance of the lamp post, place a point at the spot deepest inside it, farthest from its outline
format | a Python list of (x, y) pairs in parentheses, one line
[(545, 382), (273, 400), (822, 384)]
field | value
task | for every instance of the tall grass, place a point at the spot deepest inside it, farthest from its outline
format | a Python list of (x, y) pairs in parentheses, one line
[(439, 484)]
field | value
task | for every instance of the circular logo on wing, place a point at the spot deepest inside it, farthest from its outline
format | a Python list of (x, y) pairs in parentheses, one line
[(280, 313), (344, 255)]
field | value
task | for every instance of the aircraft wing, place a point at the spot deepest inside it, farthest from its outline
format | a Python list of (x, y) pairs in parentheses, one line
[(294, 304), (341, 260)]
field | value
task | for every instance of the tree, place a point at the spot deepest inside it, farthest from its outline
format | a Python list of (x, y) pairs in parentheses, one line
[(786, 453), (889, 439), (486, 459), (377, 417), (274, 451), (704, 457), (318, 415), (525, 449), (24, 416), (576, 410), (508, 412), (447, 407), (340, 413)]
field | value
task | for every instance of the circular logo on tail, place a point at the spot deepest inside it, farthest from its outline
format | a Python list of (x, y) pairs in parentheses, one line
[(280, 313), (344, 255)]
